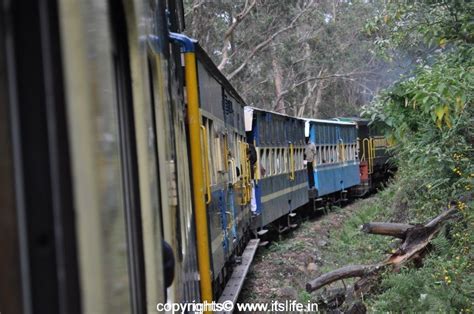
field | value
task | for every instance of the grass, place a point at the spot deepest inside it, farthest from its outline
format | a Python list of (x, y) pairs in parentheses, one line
[(444, 283)]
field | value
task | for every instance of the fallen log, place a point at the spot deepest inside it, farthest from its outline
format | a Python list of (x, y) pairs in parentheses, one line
[(416, 239), (397, 230)]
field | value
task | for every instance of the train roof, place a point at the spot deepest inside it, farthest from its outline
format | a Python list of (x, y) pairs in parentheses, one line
[(216, 73), (248, 111), (357, 120), (308, 121)]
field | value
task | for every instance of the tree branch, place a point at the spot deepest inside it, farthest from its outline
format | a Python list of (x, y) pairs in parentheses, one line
[(266, 42), (350, 271), (236, 21)]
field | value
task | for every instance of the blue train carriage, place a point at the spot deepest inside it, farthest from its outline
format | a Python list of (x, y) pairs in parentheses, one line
[(226, 167), (336, 164), (280, 173)]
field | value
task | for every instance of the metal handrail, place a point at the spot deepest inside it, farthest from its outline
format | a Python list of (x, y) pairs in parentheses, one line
[(207, 173)]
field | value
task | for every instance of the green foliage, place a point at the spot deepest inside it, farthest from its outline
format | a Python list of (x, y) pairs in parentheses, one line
[(429, 120), (415, 25)]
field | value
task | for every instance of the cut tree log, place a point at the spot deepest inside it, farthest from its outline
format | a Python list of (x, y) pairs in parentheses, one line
[(397, 230)]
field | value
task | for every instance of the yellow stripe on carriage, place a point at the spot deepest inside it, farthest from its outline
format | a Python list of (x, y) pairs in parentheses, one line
[(282, 192)]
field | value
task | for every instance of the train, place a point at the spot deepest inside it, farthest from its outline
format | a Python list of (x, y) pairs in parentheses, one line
[(132, 172)]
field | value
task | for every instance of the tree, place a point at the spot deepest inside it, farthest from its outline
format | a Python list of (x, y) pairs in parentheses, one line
[(306, 57)]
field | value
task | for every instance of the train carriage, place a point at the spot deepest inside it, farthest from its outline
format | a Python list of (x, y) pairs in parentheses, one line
[(226, 166), (336, 164), (281, 179), (374, 155)]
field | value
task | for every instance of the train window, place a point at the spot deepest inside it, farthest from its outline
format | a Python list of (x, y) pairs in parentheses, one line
[(296, 157), (275, 161), (301, 158), (269, 162), (219, 150), (225, 151), (263, 161), (215, 157), (236, 149), (281, 159), (212, 147), (301, 161), (278, 162)]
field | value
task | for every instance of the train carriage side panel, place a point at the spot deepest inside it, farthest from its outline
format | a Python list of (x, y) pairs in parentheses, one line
[(210, 93), (336, 167), (226, 164), (281, 178)]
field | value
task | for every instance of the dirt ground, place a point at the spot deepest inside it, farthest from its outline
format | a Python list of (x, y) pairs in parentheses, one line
[(280, 270)]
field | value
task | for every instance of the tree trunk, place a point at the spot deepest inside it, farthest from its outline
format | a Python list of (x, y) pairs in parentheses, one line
[(317, 101), (277, 77), (386, 228)]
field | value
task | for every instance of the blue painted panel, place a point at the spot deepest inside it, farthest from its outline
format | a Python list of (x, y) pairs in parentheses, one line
[(333, 178), (258, 196)]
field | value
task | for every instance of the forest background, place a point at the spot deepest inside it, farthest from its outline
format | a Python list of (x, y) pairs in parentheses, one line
[(311, 58)]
